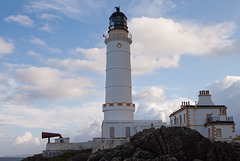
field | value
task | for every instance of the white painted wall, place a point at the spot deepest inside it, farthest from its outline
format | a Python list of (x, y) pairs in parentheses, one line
[(205, 100), (177, 116), (135, 126), (116, 112), (226, 132), (119, 126), (118, 72), (202, 115), (118, 79)]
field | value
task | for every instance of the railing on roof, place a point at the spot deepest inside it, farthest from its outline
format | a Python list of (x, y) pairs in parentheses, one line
[(230, 118)]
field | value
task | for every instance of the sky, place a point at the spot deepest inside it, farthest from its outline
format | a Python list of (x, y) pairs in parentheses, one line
[(52, 63)]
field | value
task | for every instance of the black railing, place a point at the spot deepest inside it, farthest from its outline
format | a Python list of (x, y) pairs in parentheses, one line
[(216, 119), (230, 118)]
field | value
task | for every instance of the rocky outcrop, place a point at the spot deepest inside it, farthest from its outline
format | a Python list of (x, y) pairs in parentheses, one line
[(164, 144), (170, 144)]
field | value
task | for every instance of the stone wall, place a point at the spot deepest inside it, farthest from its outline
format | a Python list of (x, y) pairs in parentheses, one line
[(107, 143), (56, 149)]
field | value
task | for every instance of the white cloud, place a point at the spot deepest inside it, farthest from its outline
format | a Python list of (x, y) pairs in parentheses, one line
[(151, 8), (42, 83), (37, 41), (153, 104), (142, 64), (51, 116), (151, 94), (93, 59), (46, 16), (232, 48), (35, 55), (3, 132), (167, 37), (41, 43), (48, 83), (26, 138), (160, 46), (46, 27), (89, 131), (6, 47), (2, 76), (79, 123), (6, 84), (70, 8), (32, 53), (225, 89), (21, 19), (159, 42), (227, 92)]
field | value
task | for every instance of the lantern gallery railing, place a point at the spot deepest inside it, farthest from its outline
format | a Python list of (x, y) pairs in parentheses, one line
[(117, 33)]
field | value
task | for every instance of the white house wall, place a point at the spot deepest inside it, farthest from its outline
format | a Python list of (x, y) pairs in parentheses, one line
[(226, 131)]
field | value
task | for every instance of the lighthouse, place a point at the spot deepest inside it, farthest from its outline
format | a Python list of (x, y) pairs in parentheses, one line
[(118, 108), (119, 124)]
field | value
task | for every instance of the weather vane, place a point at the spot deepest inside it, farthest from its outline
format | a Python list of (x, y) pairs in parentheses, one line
[(117, 8)]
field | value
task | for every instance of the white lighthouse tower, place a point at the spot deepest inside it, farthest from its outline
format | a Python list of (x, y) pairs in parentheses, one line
[(118, 108), (119, 124)]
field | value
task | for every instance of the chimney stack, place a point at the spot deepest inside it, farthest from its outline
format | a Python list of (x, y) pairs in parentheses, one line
[(204, 98)]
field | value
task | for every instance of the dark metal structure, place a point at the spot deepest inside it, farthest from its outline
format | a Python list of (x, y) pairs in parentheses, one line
[(50, 135), (118, 20)]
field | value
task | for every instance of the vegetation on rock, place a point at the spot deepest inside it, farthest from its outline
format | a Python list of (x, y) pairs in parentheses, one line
[(68, 156)]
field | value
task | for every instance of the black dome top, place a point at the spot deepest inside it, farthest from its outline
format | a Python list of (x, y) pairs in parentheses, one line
[(118, 13), (118, 20)]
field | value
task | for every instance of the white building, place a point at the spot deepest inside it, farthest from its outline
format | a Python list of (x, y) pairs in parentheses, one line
[(119, 123), (207, 118)]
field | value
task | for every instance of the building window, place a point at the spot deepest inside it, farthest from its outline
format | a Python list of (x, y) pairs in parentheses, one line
[(171, 122), (127, 131), (209, 133), (184, 118), (222, 111), (177, 121), (180, 120), (112, 132), (209, 118), (219, 132), (209, 115)]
